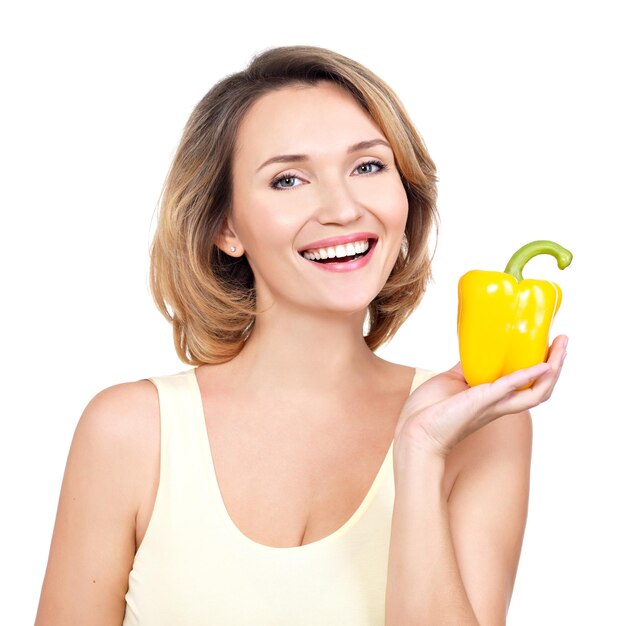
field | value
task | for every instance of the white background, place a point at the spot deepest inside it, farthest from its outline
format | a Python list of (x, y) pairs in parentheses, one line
[(522, 108)]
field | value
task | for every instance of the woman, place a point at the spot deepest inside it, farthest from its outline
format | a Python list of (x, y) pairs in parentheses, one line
[(293, 476)]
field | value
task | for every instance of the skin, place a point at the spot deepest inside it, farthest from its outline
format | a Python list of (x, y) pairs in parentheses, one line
[(454, 555), (452, 445), (327, 198)]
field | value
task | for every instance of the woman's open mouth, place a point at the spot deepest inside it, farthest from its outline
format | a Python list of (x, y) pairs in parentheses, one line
[(342, 258)]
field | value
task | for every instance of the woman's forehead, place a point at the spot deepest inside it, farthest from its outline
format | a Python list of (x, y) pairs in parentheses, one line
[(303, 119)]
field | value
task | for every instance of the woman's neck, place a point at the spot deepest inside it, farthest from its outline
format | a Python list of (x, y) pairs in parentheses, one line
[(306, 349)]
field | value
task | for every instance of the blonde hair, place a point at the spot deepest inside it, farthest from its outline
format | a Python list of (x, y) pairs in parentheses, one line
[(209, 296)]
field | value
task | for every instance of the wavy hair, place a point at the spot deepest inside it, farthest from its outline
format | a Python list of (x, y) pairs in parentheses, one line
[(209, 296)]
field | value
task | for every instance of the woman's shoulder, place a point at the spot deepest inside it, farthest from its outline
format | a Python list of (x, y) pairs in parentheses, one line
[(130, 405), (121, 426), (123, 407), (495, 457), (123, 420)]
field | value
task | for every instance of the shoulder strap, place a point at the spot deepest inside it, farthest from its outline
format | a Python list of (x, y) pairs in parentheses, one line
[(421, 376), (183, 432)]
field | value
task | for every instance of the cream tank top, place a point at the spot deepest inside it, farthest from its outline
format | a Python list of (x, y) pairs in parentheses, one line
[(195, 567)]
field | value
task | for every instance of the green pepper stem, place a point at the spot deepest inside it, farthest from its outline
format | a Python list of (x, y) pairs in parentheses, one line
[(532, 249)]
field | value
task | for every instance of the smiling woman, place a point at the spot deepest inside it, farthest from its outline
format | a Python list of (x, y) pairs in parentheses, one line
[(198, 194), (292, 476)]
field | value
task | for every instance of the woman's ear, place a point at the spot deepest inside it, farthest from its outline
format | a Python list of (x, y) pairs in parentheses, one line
[(227, 241)]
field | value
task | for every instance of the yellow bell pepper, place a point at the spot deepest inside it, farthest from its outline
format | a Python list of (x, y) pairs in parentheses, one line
[(503, 319)]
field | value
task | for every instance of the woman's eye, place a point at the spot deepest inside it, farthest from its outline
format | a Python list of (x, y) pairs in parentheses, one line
[(366, 168), (289, 181)]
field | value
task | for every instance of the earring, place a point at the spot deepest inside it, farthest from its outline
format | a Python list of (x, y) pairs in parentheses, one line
[(233, 248)]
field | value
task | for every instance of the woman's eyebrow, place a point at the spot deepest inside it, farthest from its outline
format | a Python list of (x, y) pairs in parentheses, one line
[(290, 158)]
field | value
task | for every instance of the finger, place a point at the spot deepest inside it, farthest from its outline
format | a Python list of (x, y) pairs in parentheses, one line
[(522, 389), (539, 390), (556, 357), (523, 377), (503, 394), (561, 340), (543, 385), (559, 345), (458, 415), (555, 361), (481, 404)]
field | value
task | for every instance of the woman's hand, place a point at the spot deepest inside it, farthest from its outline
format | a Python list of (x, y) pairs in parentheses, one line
[(445, 409)]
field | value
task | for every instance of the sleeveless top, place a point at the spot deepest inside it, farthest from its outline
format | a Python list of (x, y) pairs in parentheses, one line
[(195, 567)]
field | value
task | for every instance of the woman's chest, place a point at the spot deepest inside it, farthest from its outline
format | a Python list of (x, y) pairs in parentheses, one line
[(293, 482)]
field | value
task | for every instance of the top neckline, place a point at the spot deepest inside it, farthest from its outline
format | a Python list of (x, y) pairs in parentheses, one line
[(234, 530)]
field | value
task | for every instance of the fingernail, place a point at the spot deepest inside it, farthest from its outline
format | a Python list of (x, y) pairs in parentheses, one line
[(565, 342)]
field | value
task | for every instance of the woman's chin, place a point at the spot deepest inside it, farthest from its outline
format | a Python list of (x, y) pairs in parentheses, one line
[(342, 302), (343, 306)]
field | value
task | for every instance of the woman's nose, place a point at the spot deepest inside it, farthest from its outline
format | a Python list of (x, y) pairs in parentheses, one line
[(338, 204)]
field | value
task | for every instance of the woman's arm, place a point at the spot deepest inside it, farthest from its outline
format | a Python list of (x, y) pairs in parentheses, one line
[(488, 508), (453, 558), (113, 452)]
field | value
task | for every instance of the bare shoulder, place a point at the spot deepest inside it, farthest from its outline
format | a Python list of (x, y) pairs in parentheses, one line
[(112, 460), (496, 454), (509, 437), (126, 414), (121, 424)]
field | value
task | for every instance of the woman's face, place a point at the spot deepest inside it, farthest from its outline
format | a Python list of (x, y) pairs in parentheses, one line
[(299, 177)]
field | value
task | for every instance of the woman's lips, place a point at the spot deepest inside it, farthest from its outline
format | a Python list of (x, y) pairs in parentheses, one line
[(347, 266), (339, 240)]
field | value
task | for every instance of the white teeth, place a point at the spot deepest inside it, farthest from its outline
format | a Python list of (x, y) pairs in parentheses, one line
[(349, 249)]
